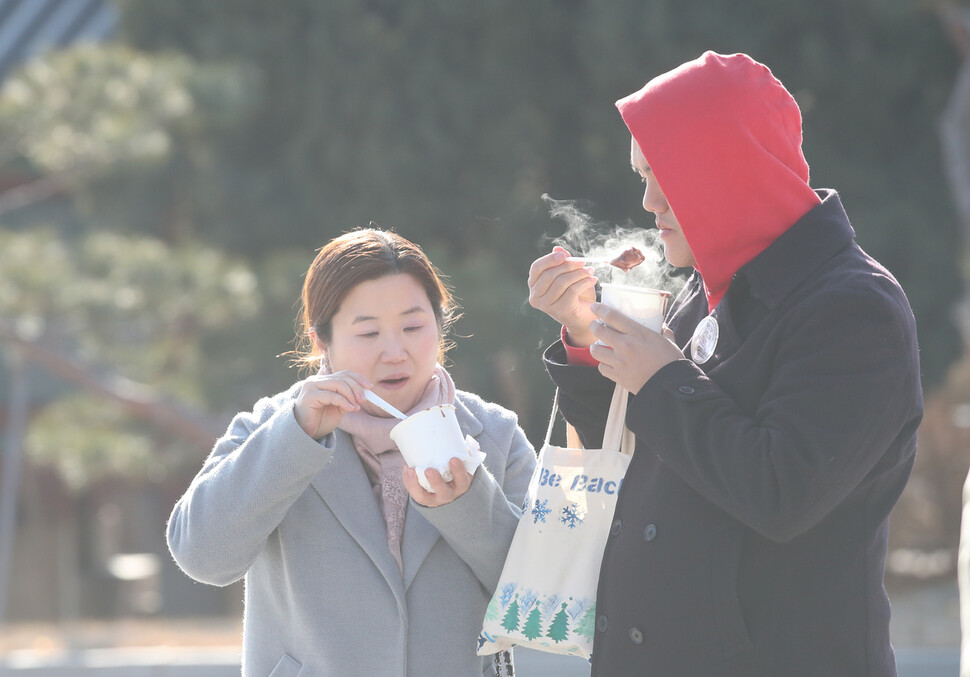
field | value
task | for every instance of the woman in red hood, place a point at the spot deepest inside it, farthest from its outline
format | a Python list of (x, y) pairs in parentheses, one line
[(776, 418)]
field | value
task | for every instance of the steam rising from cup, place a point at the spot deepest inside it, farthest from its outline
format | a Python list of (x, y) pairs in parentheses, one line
[(590, 239)]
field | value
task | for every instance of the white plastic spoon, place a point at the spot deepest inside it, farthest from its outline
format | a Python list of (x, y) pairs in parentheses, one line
[(376, 399), (591, 261)]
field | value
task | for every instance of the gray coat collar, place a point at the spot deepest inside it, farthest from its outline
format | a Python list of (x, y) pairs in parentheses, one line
[(344, 486)]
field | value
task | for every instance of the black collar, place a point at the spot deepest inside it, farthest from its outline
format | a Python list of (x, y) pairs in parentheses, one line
[(811, 241)]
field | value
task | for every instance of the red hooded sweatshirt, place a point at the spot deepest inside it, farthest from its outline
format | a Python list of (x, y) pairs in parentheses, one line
[(723, 138)]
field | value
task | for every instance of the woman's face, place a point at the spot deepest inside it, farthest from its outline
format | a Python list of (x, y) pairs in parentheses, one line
[(385, 330)]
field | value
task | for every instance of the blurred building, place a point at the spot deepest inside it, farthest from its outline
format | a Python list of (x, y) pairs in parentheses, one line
[(29, 28)]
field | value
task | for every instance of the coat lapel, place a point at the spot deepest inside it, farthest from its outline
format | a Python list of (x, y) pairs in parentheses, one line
[(418, 539), (344, 486), (419, 535)]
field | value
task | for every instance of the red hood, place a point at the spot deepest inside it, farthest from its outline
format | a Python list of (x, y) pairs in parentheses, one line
[(723, 138)]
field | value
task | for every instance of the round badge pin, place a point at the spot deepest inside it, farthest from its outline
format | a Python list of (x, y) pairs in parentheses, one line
[(704, 341)]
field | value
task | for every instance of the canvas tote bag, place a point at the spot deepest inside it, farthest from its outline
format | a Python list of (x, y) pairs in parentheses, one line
[(546, 596)]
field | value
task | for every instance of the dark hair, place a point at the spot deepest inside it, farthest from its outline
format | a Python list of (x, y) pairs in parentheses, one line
[(355, 257)]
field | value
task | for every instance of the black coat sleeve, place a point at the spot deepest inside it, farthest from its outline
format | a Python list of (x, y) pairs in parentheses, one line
[(584, 395)]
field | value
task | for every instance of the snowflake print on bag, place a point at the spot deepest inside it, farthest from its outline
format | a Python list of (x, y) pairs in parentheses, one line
[(572, 516), (540, 510)]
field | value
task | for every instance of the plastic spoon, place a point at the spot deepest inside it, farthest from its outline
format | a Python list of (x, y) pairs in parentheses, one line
[(591, 260), (376, 399)]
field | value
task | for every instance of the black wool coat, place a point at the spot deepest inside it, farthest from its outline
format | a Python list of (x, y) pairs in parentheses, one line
[(750, 534)]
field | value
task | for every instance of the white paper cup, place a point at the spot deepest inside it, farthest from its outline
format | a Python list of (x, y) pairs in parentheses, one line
[(429, 439), (646, 306)]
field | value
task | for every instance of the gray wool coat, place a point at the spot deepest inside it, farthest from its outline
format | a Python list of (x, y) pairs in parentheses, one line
[(297, 518)]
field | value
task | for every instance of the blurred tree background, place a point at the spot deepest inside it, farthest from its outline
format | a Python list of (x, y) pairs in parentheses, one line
[(181, 177)]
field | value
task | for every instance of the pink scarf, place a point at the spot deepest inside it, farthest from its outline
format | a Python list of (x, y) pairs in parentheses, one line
[(382, 460)]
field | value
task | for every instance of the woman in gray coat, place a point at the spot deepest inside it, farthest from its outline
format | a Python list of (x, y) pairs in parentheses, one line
[(351, 567)]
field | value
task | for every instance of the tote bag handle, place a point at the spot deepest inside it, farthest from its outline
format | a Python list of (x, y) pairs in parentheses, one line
[(616, 436)]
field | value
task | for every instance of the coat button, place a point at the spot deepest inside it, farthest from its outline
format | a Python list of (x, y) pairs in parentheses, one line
[(636, 635), (650, 532), (617, 525), (686, 390), (602, 624)]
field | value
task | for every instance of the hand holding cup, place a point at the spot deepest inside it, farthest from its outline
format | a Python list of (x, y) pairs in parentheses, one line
[(629, 352), (431, 443), (443, 492)]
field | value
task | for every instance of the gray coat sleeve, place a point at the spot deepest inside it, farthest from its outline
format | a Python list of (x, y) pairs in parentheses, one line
[(254, 473), (479, 525)]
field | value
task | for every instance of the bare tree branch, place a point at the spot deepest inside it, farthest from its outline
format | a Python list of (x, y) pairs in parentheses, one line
[(137, 399), (31, 193)]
